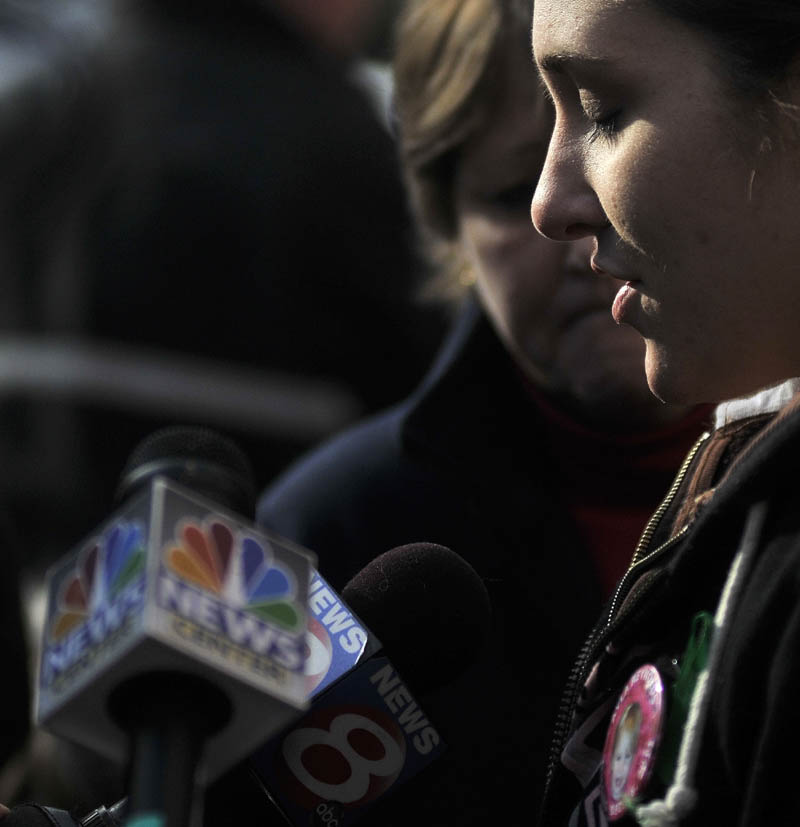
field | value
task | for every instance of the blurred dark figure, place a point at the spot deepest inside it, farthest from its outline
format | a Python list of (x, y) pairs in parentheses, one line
[(15, 708), (262, 219), (42, 119), (212, 222), (202, 222)]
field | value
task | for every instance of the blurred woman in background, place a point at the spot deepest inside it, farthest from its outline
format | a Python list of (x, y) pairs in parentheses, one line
[(533, 447)]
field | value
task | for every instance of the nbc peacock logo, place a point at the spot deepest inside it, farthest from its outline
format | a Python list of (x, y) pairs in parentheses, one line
[(102, 572), (238, 569)]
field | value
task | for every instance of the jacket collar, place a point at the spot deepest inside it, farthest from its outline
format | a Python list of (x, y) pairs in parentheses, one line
[(472, 414), (769, 400), (471, 408)]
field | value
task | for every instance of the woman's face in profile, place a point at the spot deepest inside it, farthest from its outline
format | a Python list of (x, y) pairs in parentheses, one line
[(552, 312), (659, 161)]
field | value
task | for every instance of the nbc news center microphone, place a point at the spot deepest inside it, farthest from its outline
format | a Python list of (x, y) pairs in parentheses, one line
[(174, 637), (365, 734), (413, 619)]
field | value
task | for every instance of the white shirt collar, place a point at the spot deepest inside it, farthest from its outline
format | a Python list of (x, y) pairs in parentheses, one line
[(769, 400)]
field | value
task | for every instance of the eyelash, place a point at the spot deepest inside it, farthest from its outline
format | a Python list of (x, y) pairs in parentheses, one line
[(606, 127)]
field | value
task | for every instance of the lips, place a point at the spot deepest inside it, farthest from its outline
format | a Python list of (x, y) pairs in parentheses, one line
[(623, 302), (626, 294)]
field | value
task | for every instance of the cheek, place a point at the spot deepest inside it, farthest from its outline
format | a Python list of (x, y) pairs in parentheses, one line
[(642, 189), (519, 276), (517, 269), (672, 199)]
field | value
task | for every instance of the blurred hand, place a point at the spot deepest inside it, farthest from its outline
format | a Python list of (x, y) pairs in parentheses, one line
[(4, 811)]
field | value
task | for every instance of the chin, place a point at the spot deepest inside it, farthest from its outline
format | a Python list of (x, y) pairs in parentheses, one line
[(629, 412), (675, 382), (617, 400), (663, 385), (605, 371)]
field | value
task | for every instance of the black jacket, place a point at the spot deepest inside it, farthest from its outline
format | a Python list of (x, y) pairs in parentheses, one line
[(746, 773), (462, 463)]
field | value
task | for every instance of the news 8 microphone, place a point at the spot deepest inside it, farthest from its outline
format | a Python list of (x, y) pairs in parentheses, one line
[(366, 734), (174, 635)]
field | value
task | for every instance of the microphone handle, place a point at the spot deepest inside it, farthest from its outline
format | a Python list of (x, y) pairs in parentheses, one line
[(161, 782), (168, 716)]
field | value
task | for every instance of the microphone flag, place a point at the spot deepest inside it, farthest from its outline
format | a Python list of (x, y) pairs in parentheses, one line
[(364, 735), (172, 581)]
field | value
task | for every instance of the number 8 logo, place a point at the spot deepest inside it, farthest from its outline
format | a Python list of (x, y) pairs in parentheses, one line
[(330, 751)]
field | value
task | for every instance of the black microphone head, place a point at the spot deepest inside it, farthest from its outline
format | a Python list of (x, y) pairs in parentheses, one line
[(199, 458), (37, 815), (428, 607)]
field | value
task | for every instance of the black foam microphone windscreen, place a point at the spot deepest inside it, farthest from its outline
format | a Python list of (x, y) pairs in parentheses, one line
[(428, 607), (199, 458)]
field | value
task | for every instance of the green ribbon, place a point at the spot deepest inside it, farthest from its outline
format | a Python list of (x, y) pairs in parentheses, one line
[(692, 663)]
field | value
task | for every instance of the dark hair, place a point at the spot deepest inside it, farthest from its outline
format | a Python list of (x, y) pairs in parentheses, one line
[(758, 38)]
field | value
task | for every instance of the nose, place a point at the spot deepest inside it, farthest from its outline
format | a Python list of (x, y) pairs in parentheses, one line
[(565, 207)]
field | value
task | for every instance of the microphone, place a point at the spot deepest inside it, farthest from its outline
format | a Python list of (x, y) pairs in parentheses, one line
[(175, 634), (35, 815), (432, 612), (429, 608), (418, 613)]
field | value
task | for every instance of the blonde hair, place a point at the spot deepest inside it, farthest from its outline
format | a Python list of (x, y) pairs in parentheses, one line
[(629, 724), (446, 58)]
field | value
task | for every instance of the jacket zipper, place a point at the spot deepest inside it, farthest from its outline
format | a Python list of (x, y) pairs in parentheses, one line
[(641, 554), (590, 646)]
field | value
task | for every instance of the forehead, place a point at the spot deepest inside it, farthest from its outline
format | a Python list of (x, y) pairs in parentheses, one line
[(517, 126), (620, 39), (572, 17), (595, 29)]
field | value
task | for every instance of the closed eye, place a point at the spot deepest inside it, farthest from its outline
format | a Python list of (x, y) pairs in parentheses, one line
[(606, 126)]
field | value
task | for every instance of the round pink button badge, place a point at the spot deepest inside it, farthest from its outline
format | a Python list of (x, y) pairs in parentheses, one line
[(631, 746)]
